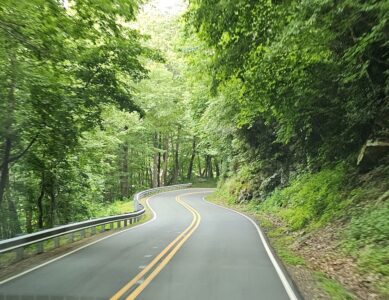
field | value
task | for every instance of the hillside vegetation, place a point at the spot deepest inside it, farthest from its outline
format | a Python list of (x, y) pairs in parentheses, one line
[(333, 221), (298, 112), (283, 103)]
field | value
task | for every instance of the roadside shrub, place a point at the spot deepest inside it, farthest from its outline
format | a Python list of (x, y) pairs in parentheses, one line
[(309, 198), (231, 187), (372, 227)]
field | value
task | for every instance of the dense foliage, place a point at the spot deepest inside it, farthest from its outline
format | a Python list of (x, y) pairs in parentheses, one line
[(310, 77), (102, 98), (297, 90), (59, 67), (93, 108)]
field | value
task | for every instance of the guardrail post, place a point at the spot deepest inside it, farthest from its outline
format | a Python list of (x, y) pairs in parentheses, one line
[(111, 226), (19, 253), (82, 234), (136, 203), (125, 223), (93, 230), (71, 237), (102, 228), (39, 247), (119, 224), (56, 242)]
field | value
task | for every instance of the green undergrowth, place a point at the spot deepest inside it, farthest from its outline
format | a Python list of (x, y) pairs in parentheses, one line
[(333, 288), (367, 240), (115, 208), (355, 205), (310, 201)]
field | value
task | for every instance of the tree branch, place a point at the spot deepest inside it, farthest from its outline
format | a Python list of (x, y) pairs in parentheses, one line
[(23, 152)]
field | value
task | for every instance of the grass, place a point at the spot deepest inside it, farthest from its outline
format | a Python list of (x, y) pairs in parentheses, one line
[(311, 200), (334, 289), (115, 208), (6, 258), (367, 240)]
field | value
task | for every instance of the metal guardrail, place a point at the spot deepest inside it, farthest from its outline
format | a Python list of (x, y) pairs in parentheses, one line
[(40, 236), (18, 243), (142, 194)]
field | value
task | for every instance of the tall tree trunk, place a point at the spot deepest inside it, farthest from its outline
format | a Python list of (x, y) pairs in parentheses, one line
[(29, 227), (176, 156), (199, 165), (217, 169), (148, 181), (124, 180), (159, 160), (8, 130), (53, 204), (5, 167), (192, 158), (206, 168), (171, 177), (14, 219), (149, 177), (155, 175), (40, 204), (165, 160), (210, 172)]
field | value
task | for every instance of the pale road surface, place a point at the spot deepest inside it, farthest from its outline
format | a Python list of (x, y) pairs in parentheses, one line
[(192, 249)]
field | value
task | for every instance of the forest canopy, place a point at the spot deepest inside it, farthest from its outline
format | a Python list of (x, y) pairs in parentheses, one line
[(100, 98)]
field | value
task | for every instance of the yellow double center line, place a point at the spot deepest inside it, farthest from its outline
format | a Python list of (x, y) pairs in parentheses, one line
[(163, 258)]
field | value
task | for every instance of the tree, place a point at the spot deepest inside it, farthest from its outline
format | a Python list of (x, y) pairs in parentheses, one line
[(59, 66)]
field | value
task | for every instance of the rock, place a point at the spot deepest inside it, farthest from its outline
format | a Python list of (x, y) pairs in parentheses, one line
[(244, 196), (371, 152), (270, 183)]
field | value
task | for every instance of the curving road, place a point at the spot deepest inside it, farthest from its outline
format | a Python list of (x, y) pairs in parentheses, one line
[(191, 249)]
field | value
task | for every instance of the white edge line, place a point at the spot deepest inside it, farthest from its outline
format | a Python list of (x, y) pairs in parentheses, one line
[(281, 275), (87, 245)]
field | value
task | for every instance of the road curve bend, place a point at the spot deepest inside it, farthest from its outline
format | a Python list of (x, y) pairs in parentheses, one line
[(191, 249)]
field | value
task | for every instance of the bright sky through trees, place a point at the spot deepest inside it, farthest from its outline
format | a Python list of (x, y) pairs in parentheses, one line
[(171, 7)]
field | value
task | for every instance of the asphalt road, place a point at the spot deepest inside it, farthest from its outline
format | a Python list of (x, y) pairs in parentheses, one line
[(191, 250)]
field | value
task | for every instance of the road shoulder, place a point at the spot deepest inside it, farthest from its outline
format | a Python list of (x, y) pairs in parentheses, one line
[(305, 281)]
